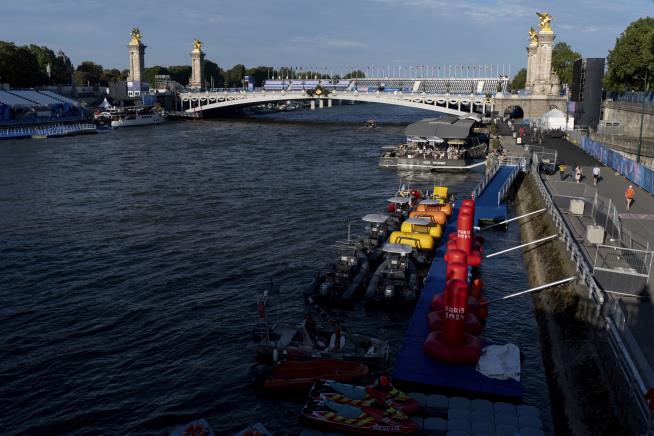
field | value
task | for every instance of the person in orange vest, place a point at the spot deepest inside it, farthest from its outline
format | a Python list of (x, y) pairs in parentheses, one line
[(629, 195)]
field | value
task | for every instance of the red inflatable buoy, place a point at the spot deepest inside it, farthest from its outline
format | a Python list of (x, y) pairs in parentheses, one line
[(472, 324), (468, 202), (455, 255), (456, 270), (464, 233), (474, 258), (436, 348), (456, 302), (476, 288)]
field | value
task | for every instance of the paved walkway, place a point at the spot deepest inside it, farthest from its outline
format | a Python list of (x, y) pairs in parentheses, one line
[(640, 312)]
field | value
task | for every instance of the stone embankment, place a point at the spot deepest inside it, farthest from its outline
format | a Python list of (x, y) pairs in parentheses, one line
[(584, 383)]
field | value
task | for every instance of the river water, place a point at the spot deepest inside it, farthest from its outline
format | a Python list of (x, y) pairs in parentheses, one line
[(130, 261)]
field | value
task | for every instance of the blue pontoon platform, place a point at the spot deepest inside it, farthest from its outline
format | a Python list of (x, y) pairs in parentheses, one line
[(412, 366)]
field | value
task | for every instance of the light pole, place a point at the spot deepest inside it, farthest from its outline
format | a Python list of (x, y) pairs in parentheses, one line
[(642, 117)]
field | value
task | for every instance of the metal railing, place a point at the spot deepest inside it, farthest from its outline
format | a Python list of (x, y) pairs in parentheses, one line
[(615, 317), (622, 270), (576, 256), (507, 184), (490, 173)]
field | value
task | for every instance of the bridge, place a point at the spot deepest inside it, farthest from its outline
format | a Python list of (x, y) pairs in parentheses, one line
[(464, 97)]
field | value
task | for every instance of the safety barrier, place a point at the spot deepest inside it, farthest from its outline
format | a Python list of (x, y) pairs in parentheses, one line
[(490, 173), (582, 265), (507, 185), (614, 317), (622, 270), (51, 130)]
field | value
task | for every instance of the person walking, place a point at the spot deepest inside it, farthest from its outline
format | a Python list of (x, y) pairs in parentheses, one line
[(562, 170), (578, 174), (596, 175), (629, 196)]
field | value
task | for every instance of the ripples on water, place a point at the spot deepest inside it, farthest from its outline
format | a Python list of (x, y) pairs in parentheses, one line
[(130, 260)]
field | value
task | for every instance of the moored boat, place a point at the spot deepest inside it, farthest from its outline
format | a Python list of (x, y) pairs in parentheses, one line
[(382, 394), (447, 142), (138, 117), (346, 279), (294, 376), (350, 419), (396, 279)]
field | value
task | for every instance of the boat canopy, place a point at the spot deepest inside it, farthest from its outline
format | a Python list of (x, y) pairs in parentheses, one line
[(399, 200), (376, 218), (396, 248), (447, 128), (418, 221)]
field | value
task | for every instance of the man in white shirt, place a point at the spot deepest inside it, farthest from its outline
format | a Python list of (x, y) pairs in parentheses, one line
[(596, 175)]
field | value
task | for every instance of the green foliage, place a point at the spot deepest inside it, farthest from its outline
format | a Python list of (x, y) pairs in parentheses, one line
[(87, 73), (112, 75), (18, 66), (495, 143), (355, 74), (180, 73), (260, 74), (562, 59), (519, 80), (150, 72), (213, 71), (632, 57), (234, 76)]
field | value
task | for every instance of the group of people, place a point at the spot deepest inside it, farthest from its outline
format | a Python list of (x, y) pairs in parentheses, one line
[(578, 175)]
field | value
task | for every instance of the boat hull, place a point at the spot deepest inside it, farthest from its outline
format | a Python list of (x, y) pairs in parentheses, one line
[(296, 377)]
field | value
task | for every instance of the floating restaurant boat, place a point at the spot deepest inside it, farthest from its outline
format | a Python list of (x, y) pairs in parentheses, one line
[(448, 142), (293, 376)]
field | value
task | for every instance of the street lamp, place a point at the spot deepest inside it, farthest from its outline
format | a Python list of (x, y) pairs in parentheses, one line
[(642, 117)]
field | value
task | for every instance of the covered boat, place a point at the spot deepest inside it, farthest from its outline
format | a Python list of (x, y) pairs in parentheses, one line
[(293, 376), (346, 279), (396, 279), (376, 235), (447, 142)]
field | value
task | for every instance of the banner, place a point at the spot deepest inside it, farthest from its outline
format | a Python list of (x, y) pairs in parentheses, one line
[(633, 171)]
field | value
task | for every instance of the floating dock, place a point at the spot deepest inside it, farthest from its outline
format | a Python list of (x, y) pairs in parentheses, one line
[(412, 366)]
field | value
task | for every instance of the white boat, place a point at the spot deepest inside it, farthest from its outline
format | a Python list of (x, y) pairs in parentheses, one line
[(141, 117)]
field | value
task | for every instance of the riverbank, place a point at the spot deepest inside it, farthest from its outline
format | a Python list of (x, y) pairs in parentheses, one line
[(573, 343)]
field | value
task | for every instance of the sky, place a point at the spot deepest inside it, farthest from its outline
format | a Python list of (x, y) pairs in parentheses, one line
[(329, 33)]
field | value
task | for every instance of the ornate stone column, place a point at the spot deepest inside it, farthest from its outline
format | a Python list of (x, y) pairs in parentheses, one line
[(197, 66), (136, 56), (543, 80), (532, 61)]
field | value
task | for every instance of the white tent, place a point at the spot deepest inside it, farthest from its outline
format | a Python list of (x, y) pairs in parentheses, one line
[(556, 119), (105, 104)]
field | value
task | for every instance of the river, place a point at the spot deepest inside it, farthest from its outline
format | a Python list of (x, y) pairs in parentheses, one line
[(130, 261)]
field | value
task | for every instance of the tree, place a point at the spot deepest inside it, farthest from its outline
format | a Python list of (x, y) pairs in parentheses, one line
[(632, 57), (355, 74), (519, 80), (562, 59), (234, 76), (259, 74), (111, 75), (88, 73), (180, 73), (150, 72), (213, 71)]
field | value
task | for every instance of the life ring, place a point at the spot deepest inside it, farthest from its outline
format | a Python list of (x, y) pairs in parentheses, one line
[(195, 429)]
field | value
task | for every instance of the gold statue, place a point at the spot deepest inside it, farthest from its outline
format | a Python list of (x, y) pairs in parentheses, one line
[(545, 20), (197, 44), (533, 35), (136, 35)]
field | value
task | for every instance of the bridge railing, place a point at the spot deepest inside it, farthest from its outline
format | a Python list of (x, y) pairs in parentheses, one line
[(491, 170), (507, 184)]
